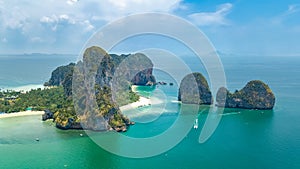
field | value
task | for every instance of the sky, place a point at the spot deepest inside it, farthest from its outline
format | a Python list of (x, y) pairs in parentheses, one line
[(246, 27)]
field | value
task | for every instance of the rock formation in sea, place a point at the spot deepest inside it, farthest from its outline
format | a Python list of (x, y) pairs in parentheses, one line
[(144, 77), (103, 68), (59, 74), (108, 66), (47, 115), (194, 89), (255, 95)]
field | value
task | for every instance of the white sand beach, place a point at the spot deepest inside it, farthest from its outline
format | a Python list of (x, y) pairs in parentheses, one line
[(24, 113), (25, 88), (143, 101), (133, 87)]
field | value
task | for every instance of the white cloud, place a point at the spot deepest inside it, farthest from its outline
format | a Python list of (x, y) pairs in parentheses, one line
[(47, 19), (68, 20), (291, 11), (64, 17), (13, 18), (112, 9), (293, 8), (72, 2), (15, 14), (88, 26), (55, 20), (36, 39), (143, 5), (4, 40), (212, 18)]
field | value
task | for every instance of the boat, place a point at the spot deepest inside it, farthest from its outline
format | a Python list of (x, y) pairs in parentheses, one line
[(196, 124)]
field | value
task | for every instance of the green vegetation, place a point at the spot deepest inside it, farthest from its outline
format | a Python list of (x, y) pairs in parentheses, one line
[(59, 74), (52, 99), (255, 95), (194, 89), (97, 63), (97, 66)]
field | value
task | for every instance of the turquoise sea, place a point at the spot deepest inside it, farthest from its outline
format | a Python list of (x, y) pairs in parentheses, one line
[(248, 139)]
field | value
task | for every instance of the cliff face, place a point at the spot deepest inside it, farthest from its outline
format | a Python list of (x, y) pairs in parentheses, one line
[(59, 74), (255, 95), (63, 74), (194, 89), (137, 67), (102, 67), (144, 77)]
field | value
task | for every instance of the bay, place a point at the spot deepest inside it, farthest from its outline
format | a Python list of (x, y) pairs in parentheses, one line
[(243, 139)]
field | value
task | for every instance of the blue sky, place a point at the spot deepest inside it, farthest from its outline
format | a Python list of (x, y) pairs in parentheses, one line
[(260, 27)]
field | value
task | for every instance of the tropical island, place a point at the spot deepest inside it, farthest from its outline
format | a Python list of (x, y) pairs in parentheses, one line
[(113, 77), (57, 100)]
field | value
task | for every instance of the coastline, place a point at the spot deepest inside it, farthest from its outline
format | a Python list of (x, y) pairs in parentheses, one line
[(134, 88), (24, 88), (23, 113), (142, 102)]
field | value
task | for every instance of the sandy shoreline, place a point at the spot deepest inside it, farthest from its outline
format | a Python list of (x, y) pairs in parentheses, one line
[(143, 101), (24, 88), (133, 88), (23, 113)]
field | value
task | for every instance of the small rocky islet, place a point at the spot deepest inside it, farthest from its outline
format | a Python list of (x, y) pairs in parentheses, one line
[(256, 94), (194, 89)]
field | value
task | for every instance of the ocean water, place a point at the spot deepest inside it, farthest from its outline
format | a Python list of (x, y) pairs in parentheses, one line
[(250, 139), (29, 71)]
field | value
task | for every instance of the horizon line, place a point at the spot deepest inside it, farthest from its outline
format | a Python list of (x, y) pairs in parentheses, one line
[(221, 53)]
